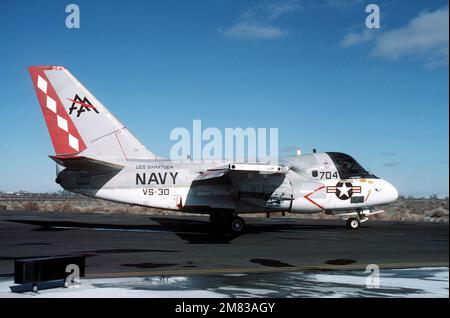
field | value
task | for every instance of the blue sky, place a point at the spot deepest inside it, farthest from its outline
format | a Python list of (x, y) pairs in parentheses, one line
[(309, 68)]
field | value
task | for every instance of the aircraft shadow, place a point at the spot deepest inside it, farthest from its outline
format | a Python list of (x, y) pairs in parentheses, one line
[(190, 230), (205, 232)]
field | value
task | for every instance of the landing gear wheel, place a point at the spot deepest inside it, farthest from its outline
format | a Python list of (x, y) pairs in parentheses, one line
[(237, 225), (353, 223)]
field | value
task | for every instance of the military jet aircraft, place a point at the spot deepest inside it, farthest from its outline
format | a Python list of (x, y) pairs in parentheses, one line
[(97, 156)]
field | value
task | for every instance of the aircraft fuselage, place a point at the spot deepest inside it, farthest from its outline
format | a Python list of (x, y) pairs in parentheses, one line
[(312, 184)]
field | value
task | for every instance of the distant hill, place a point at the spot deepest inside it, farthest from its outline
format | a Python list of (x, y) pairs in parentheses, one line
[(431, 209)]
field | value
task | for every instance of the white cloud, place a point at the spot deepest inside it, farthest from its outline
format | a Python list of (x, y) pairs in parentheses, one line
[(342, 3), (354, 38), (257, 23), (272, 10), (245, 30), (425, 38)]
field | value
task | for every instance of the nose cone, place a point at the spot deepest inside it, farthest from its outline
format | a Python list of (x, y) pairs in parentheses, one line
[(390, 193)]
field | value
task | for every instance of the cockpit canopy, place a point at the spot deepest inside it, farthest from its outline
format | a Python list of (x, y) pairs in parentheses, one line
[(349, 168)]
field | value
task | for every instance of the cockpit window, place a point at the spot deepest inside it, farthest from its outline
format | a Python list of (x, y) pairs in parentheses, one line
[(348, 167)]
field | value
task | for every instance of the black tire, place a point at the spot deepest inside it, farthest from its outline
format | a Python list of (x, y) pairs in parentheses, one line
[(237, 225), (353, 223)]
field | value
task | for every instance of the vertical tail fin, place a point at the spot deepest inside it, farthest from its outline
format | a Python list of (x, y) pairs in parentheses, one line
[(78, 123)]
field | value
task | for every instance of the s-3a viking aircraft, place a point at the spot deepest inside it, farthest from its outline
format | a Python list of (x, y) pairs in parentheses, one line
[(97, 156)]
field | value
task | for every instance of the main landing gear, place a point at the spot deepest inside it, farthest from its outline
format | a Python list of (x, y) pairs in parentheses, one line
[(237, 224), (233, 223)]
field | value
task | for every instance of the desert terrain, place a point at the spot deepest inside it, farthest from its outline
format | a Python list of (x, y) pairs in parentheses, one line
[(431, 209)]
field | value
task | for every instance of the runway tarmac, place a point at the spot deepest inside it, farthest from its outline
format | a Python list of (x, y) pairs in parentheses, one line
[(122, 245)]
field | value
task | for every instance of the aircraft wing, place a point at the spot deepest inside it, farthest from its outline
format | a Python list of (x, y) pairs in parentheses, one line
[(237, 168), (257, 185)]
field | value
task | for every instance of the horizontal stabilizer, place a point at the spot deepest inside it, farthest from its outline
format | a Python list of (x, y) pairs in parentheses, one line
[(79, 163)]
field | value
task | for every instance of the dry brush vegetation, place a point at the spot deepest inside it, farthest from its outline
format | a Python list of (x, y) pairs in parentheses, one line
[(404, 209)]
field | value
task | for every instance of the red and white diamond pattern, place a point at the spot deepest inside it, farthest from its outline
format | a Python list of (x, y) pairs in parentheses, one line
[(65, 137), (62, 123)]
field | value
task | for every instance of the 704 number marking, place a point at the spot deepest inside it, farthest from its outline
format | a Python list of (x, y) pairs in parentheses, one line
[(328, 175)]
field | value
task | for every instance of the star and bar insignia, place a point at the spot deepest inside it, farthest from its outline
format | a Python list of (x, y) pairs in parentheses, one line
[(344, 190)]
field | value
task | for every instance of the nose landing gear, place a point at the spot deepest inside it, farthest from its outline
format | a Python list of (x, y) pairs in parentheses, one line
[(362, 216), (353, 223)]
